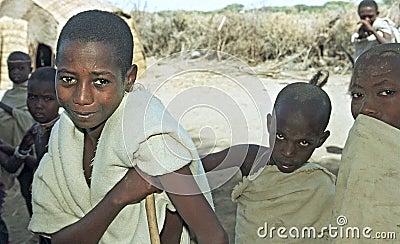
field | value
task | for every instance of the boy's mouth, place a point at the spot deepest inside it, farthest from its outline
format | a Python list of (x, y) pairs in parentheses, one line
[(83, 114), (38, 115)]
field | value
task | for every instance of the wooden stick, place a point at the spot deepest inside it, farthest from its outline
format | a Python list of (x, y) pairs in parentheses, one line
[(152, 219)]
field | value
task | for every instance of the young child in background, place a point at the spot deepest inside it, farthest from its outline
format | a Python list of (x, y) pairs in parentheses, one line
[(43, 106), (279, 186), (86, 188), (15, 118), (373, 30), (369, 175)]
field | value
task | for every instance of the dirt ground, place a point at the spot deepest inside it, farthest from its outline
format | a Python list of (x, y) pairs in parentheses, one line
[(219, 104)]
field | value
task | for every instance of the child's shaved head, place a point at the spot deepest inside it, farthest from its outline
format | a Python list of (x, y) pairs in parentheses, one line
[(388, 52), (101, 26), (305, 100)]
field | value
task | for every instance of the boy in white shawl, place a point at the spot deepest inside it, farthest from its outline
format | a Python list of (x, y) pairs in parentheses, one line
[(373, 30), (369, 175), (85, 185), (280, 189)]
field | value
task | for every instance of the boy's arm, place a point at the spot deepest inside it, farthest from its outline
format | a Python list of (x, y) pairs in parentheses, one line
[(242, 156), (92, 226), (194, 209), (6, 108), (386, 38), (19, 155)]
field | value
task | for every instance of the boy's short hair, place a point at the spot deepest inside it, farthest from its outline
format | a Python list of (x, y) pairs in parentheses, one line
[(382, 50), (101, 26), (306, 96), (43, 74), (367, 3), (18, 56), (386, 50)]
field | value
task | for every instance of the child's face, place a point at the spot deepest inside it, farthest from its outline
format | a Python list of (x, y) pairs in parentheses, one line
[(89, 82), (19, 71), (368, 13), (375, 90), (42, 101), (295, 140)]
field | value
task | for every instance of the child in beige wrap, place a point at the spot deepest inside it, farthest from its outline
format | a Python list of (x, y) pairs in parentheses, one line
[(368, 192), (280, 189)]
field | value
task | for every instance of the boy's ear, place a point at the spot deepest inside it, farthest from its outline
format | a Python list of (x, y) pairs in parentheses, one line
[(323, 138), (130, 77)]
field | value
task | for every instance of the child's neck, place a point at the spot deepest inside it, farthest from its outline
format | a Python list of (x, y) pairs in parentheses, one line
[(22, 84), (93, 134)]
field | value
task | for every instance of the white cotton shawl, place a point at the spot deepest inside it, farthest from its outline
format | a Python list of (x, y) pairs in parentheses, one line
[(139, 133)]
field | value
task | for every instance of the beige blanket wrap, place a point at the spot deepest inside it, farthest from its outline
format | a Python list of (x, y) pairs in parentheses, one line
[(271, 199), (13, 127), (368, 185), (60, 193)]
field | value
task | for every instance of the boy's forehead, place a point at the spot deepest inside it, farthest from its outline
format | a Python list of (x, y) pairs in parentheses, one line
[(378, 65), (41, 84), (367, 9)]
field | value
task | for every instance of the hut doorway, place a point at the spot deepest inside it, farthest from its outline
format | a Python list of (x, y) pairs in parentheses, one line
[(44, 56)]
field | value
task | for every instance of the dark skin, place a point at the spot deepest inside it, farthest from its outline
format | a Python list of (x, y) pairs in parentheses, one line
[(90, 87), (375, 89), (18, 70), (294, 142), (368, 15), (43, 106)]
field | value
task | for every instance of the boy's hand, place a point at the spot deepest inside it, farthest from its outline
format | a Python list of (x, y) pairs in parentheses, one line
[(366, 25), (134, 187), (6, 148), (3, 157), (27, 140)]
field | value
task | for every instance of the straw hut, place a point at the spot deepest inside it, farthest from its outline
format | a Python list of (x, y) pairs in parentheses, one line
[(33, 26)]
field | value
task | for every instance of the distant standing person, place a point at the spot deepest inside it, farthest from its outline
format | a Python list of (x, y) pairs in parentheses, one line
[(15, 118), (373, 30)]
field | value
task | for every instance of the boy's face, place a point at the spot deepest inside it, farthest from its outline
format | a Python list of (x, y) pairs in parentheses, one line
[(295, 140), (88, 82), (19, 71), (42, 101), (375, 90), (368, 13)]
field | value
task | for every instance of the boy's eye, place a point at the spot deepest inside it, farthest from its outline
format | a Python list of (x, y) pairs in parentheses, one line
[(68, 80), (386, 92), (356, 95), (101, 82), (32, 97), (279, 136), (304, 143), (48, 98)]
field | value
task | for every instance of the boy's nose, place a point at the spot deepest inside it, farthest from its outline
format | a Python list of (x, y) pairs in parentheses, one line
[(82, 95), (368, 108), (289, 150)]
